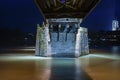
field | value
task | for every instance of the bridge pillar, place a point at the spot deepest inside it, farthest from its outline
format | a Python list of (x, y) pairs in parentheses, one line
[(62, 41)]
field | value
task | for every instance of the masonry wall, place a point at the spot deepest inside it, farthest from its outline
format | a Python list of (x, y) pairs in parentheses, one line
[(63, 44)]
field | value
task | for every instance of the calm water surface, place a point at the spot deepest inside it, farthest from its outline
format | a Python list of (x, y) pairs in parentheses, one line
[(111, 49), (27, 67)]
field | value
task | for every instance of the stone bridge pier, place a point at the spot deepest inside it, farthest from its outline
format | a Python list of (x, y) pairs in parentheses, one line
[(62, 37)]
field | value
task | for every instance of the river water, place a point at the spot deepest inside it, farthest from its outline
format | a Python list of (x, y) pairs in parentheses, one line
[(111, 49), (30, 67)]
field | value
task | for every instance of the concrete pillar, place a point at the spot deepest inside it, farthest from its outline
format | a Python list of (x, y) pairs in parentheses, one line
[(59, 30), (59, 27), (72, 29), (47, 41), (77, 44), (61, 42), (37, 41), (78, 40), (84, 41), (51, 28), (66, 28)]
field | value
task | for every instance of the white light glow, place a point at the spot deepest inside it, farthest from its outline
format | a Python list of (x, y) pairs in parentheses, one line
[(77, 45), (21, 57), (47, 36), (107, 56)]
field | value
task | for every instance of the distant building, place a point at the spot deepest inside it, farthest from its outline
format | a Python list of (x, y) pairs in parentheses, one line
[(115, 25), (104, 38)]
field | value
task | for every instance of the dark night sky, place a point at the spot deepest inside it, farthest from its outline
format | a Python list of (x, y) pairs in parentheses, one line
[(21, 14), (101, 17), (24, 15)]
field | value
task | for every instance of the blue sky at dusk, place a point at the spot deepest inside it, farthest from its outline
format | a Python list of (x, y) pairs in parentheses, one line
[(24, 15)]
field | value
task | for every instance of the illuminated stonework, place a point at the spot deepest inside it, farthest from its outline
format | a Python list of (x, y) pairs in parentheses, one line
[(62, 37)]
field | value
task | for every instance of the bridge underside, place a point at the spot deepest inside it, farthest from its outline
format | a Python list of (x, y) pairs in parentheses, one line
[(66, 8), (61, 34)]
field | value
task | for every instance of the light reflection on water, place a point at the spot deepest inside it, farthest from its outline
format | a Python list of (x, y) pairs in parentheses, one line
[(26, 67), (62, 69), (77, 63), (50, 68)]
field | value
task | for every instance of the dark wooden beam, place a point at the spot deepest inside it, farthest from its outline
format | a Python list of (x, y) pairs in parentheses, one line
[(48, 3), (74, 1), (54, 3), (80, 3)]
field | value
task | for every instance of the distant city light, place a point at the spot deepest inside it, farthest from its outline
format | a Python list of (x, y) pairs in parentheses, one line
[(25, 38)]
